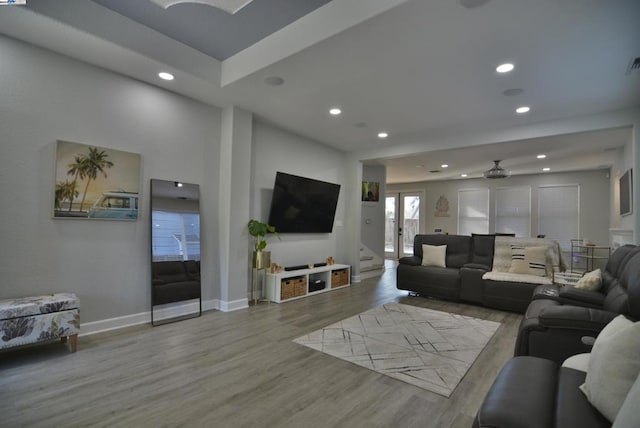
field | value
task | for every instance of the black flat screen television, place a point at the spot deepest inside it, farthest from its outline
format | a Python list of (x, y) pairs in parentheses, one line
[(626, 193), (303, 205)]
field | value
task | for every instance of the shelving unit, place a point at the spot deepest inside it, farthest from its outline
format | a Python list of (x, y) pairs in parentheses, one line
[(296, 284), (584, 257)]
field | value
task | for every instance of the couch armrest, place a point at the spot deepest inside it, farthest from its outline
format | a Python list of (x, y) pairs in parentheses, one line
[(507, 406), (574, 296), (575, 317), (156, 281), (410, 261)]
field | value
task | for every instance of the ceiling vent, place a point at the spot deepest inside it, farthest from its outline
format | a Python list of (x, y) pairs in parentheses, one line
[(434, 171), (496, 172), (634, 66)]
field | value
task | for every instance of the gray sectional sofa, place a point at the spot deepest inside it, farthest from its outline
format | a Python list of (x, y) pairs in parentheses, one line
[(561, 321), (475, 271), (560, 316)]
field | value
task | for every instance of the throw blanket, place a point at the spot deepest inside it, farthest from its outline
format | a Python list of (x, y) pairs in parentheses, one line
[(502, 252), (517, 277)]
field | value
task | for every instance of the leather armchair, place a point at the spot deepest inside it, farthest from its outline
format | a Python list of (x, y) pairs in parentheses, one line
[(534, 392), (553, 326)]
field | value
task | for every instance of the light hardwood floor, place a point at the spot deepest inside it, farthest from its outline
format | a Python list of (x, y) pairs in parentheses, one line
[(239, 369)]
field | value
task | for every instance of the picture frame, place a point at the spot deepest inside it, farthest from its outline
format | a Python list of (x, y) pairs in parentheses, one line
[(370, 191), (95, 183)]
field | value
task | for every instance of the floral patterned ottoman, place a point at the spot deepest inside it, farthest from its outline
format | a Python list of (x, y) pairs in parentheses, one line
[(38, 319)]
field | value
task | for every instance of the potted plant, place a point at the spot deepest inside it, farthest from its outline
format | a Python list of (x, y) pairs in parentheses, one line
[(259, 231)]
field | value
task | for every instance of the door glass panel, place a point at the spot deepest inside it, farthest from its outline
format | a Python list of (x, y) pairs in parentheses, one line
[(411, 223), (390, 233)]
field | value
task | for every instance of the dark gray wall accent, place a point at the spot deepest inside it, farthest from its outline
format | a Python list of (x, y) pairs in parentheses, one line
[(210, 30)]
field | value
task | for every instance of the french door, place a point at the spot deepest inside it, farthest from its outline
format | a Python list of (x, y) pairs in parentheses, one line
[(402, 223)]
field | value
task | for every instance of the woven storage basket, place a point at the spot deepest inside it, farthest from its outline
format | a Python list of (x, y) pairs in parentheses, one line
[(300, 286), (287, 288), (339, 278)]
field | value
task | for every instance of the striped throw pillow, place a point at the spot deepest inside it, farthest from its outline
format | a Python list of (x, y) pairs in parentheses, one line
[(529, 260)]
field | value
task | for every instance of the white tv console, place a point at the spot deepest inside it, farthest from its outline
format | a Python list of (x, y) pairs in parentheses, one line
[(295, 284)]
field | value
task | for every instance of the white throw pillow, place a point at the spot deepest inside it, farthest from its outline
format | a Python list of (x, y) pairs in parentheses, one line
[(613, 366), (529, 260), (578, 362), (591, 281), (628, 414), (434, 255)]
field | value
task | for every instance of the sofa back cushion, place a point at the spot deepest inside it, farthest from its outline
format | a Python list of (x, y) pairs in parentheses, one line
[(623, 296), (482, 249), (618, 257), (458, 247), (616, 264)]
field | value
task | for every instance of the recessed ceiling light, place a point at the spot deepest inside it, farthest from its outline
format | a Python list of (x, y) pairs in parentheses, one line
[(165, 76), (334, 111), (542, 156), (463, 175), (444, 165), (382, 135), (546, 169), (505, 68), (523, 109), (274, 80)]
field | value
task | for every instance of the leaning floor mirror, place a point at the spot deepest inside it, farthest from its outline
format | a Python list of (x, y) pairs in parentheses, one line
[(175, 251)]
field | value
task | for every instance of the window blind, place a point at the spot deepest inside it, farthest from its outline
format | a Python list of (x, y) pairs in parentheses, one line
[(513, 210), (559, 213), (473, 211)]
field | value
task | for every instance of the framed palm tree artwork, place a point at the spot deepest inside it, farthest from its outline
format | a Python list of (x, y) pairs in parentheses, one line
[(95, 182)]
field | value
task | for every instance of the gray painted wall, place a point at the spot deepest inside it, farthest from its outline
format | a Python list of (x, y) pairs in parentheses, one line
[(372, 222), (277, 150), (594, 200), (624, 162), (45, 97)]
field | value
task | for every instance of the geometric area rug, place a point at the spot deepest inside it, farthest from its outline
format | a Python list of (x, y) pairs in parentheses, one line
[(429, 349)]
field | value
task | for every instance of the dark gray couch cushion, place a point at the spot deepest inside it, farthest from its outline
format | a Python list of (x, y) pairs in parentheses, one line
[(482, 247), (507, 295), (458, 247), (533, 392), (429, 280)]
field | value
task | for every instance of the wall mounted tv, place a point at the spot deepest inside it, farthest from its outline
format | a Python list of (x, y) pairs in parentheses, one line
[(626, 193), (303, 205)]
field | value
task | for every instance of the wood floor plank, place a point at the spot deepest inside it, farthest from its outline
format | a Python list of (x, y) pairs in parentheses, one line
[(240, 369)]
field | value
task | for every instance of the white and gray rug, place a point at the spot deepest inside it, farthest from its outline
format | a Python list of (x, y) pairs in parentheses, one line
[(429, 349)]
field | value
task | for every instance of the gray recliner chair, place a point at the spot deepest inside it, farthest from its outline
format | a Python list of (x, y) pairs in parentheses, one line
[(557, 318)]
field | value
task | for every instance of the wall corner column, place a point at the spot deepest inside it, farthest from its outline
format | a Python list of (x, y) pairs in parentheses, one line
[(234, 201)]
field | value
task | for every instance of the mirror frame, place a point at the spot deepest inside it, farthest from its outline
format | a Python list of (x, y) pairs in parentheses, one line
[(174, 281)]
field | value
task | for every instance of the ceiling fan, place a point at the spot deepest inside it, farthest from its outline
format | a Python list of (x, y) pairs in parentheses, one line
[(496, 171)]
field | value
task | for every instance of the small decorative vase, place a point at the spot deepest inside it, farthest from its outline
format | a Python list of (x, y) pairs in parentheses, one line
[(261, 259)]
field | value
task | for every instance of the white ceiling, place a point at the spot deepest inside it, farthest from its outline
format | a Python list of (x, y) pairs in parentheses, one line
[(569, 152), (423, 71)]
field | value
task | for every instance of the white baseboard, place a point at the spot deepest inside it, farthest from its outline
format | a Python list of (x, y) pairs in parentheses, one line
[(233, 305), (355, 279), (162, 312)]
